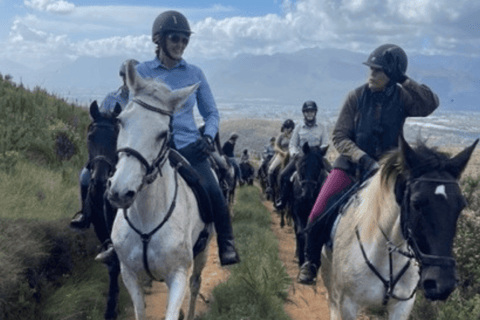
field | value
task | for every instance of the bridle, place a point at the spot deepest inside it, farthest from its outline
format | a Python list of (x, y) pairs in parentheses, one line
[(424, 259), (151, 173), (102, 158), (413, 252)]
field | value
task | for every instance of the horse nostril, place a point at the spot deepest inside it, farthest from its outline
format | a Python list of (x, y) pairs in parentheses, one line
[(130, 195)]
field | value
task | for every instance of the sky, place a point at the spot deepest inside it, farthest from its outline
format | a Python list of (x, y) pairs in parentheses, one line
[(37, 33)]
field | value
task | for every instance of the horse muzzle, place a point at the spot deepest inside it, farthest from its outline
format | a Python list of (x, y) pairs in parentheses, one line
[(118, 199), (438, 282)]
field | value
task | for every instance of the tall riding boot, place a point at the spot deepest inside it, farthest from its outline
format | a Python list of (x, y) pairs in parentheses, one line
[(271, 183), (81, 220), (315, 239), (226, 244), (281, 201)]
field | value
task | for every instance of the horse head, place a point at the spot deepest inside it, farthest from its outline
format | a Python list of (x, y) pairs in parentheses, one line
[(431, 201), (102, 144), (143, 139), (310, 167)]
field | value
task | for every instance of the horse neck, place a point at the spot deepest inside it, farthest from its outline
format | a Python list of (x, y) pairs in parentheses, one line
[(154, 200), (378, 212)]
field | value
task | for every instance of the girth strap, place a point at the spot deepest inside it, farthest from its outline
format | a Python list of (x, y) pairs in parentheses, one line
[(146, 237)]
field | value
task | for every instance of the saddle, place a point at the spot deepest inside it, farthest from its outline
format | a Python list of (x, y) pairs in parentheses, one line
[(192, 178)]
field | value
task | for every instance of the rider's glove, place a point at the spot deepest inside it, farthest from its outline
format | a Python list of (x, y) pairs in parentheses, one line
[(204, 147), (367, 164), (392, 69)]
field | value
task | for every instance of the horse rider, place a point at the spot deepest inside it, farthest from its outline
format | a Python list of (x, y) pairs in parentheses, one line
[(245, 156), (370, 124), (81, 220), (310, 131), (281, 152), (267, 155), (171, 34), (228, 150)]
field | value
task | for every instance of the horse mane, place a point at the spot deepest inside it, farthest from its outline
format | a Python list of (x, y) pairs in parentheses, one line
[(379, 201)]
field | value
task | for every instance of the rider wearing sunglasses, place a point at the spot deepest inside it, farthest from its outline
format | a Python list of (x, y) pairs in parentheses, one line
[(171, 33)]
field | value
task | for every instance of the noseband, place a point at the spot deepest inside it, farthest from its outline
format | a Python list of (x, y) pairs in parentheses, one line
[(152, 170)]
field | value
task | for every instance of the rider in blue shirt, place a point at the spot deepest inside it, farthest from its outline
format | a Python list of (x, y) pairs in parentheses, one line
[(81, 221), (171, 33)]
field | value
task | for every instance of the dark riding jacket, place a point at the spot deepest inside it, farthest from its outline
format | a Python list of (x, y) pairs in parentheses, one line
[(371, 122)]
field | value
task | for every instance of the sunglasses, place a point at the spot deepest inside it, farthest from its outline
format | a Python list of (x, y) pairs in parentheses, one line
[(176, 37)]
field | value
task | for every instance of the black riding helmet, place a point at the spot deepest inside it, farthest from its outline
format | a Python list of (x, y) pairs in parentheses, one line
[(168, 22), (377, 57), (309, 105), (288, 124)]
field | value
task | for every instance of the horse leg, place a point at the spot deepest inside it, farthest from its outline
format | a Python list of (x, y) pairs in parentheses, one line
[(196, 281), (348, 308), (131, 281), (400, 310), (177, 287), (112, 302)]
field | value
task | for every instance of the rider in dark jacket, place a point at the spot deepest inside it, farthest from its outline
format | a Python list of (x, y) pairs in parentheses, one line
[(370, 124)]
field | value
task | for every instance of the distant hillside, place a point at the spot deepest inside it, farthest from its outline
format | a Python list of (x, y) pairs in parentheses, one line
[(320, 74)]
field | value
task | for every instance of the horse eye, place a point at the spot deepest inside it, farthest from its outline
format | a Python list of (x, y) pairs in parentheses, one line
[(418, 203)]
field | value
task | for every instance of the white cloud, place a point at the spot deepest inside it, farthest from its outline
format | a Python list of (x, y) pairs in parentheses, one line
[(54, 6), (427, 26)]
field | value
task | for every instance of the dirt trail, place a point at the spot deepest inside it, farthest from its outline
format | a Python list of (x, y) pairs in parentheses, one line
[(304, 302)]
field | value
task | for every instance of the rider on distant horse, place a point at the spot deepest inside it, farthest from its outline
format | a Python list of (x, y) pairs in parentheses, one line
[(81, 220), (310, 131), (171, 33), (281, 152), (228, 150), (267, 155), (370, 124)]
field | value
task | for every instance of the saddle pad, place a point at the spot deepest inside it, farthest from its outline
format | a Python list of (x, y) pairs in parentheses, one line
[(192, 178)]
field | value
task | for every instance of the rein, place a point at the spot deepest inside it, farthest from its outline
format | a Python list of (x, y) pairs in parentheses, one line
[(422, 258)]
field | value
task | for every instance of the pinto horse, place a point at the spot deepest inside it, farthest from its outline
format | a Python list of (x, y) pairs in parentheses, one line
[(160, 222), (397, 233), (307, 181), (101, 144)]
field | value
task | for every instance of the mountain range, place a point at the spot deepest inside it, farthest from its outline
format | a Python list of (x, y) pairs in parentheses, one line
[(320, 74)]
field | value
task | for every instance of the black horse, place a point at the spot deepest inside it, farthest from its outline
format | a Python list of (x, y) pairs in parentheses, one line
[(262, 172), (307, 182), (102, 157), (247, 172)]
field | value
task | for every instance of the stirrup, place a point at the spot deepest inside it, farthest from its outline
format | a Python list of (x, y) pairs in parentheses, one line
[(79, 221), (308, 273)]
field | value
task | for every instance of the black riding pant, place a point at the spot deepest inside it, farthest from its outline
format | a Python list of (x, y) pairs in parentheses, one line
[(208, 181)]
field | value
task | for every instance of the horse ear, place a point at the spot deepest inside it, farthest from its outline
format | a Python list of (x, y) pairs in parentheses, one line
[(94, 112), (117, 110), (180, 96), (457, 164), (134, 81), (408, 154), (306, 148)]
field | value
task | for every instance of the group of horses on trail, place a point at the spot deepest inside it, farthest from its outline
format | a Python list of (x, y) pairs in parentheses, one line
[(394, 234)]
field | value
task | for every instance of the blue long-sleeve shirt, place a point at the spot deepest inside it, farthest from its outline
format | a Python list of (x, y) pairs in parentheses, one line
[(183, 74)]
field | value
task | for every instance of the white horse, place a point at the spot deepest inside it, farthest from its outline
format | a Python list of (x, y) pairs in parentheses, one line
[(397, 233), (159, 221)]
